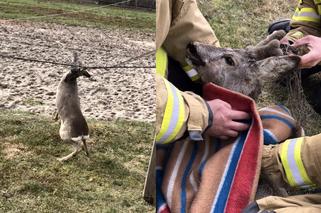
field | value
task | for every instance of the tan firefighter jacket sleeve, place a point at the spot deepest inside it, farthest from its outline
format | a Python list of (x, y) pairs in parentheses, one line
[(307, 203), (178, 112), (306, 20), (179, 22), (299, 161)]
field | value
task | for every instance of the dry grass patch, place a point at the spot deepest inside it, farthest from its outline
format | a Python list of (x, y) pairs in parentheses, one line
[(11, 150)]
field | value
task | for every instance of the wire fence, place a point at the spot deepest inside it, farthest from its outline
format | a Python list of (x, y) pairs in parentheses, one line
[(118, 65), (72, 12), (33, 58), (136, 4)]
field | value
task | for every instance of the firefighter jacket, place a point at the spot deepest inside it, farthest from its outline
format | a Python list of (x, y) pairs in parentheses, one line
[(179, 22), (178, 112), (306, 203), (306, 20), (297, 162)]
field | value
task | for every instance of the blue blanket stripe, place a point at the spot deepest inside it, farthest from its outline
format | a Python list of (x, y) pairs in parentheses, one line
[(284, 108), (200, 171), (217, 146), (268, 138), (160, 198), (283, 120), (185, 175), (229, 176)]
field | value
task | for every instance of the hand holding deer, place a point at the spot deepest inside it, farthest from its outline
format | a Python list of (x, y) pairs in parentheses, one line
[(226, 120), (313, 57)]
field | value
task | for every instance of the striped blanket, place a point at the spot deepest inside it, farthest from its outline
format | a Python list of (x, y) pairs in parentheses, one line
[(214, 175)]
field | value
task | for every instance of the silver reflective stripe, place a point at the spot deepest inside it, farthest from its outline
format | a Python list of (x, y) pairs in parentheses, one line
[(307, 14), (293, 166), (191, 73), (174, 117)]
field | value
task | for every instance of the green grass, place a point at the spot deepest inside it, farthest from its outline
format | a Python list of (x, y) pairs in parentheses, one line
[(110, 180), (73, 14), (240, 23), (32, 102)]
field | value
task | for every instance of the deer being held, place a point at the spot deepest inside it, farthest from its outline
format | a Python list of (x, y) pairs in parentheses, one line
[(242, 70), (73, 128), (245, 71)]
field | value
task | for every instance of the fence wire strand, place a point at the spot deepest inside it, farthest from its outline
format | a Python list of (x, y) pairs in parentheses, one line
[(118, 65), (70, 12)]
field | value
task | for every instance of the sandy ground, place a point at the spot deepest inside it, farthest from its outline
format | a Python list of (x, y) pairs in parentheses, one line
[(113, 93)]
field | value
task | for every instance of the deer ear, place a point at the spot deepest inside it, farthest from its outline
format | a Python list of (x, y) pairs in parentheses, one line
[(265, 51), (279, 34), (277, 65)]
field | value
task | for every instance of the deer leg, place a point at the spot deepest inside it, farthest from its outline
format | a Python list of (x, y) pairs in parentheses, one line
[(56, 116), (76, 150), (85, 146)]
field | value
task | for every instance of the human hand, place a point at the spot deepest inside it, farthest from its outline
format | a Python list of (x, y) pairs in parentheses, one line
[(313, 57), (285, 40), (225, 124)]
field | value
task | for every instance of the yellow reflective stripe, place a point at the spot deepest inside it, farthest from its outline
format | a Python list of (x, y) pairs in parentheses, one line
[(174, 115), (305, 19), (299, 162), (195, 78), (191, 72), (293, 165), (297, 35), (305, 10), (161, 62), (167, 113), (187, 67), (285, 163), (308, 10), (306, 14)]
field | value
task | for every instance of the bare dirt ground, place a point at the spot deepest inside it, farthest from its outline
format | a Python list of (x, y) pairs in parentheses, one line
[(114, 93)]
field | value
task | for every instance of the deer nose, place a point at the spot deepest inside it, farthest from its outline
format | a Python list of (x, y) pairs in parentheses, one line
[(193, 55), (192, 48)]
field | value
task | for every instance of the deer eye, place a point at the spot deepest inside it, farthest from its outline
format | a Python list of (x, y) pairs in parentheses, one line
[(229, 60)]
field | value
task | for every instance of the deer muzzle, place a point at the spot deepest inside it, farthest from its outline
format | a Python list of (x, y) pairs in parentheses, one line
[(193, 55)]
